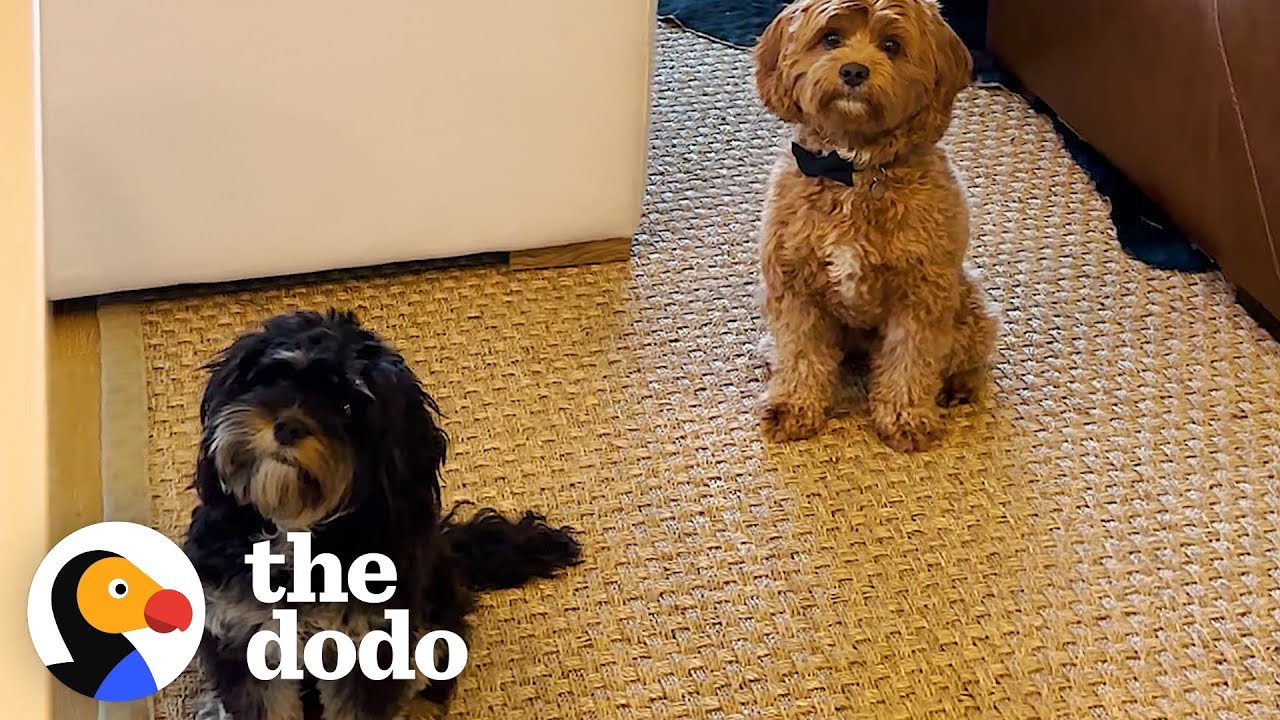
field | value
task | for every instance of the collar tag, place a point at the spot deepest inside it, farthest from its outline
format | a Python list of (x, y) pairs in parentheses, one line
[(877, 185)]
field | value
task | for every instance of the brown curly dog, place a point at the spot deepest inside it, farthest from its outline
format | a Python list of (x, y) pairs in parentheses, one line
[(865, 224)]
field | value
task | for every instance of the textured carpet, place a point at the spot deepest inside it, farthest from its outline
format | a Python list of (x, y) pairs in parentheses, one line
[(1099, 541)]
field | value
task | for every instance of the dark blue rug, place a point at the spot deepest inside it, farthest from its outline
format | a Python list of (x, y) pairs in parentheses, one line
[(740, 23), (1144, 231), (737, 22)]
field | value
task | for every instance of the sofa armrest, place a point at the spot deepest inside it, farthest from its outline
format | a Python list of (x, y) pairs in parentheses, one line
[(1178, 97)]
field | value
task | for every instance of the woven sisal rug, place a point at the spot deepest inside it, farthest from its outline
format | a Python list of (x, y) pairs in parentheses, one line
[(1100, 541)]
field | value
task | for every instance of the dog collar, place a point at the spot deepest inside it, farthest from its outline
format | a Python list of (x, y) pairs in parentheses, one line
[(832, 167)]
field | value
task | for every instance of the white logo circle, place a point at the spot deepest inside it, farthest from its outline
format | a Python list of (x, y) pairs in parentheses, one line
[(128, 613)]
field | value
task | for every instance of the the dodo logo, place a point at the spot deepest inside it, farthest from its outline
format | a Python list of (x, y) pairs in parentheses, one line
[(116, 611)]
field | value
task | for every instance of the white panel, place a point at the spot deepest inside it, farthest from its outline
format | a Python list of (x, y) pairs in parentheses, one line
[(208, 140)]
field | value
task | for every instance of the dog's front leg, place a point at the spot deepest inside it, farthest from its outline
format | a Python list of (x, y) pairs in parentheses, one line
[(808, 351), (906, 377), (356, 697), (256, 700), (233, 693)]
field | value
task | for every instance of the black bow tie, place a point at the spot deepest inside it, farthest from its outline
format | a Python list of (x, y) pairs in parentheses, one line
[(830, 165)]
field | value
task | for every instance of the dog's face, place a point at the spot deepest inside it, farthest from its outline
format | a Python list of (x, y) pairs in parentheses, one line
[(299, 417), (860, 68)]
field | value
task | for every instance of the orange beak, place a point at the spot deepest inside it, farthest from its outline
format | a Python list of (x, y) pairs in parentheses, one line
[(168, 610)]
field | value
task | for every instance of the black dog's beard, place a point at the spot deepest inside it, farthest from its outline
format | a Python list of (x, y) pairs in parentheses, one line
[(296, 488)]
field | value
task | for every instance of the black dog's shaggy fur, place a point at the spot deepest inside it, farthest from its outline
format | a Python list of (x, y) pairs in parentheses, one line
[(314, 424)]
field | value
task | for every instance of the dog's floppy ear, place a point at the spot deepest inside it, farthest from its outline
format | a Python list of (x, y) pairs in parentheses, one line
[(772, 82), (230, 364), (404, 418), (953, 60), (207, 482)]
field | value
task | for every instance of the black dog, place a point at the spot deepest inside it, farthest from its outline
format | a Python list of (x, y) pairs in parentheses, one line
[(314, 424)]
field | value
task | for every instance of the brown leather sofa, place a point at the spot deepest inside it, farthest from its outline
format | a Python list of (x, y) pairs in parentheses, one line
[(1181, 97)]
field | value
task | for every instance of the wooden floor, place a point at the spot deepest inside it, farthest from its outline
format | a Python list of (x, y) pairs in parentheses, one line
[(75, 465), (585, 253), (74, 447)]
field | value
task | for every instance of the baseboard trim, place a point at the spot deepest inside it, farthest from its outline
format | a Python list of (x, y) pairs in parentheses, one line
[(125, 489), (75, 489), (585, 253)]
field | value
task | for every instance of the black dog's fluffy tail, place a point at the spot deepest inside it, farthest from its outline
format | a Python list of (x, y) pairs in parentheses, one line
[(494, 552)]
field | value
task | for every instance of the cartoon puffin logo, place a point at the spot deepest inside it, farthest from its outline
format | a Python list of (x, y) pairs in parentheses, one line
[(116, 611)]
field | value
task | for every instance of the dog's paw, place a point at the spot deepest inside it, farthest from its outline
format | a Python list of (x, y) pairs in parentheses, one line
[(782, 421), (911, 431), (420, 709), (209, 707)]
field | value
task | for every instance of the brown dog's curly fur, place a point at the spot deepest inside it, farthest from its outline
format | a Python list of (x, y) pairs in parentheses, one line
[(876, 268)]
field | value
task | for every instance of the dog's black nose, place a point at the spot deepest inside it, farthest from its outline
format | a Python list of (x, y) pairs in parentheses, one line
[(289, 431), (854, 74)]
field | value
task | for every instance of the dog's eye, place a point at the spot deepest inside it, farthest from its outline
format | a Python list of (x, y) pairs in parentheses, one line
[(346, 409), (891, 47), (831, 40)]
